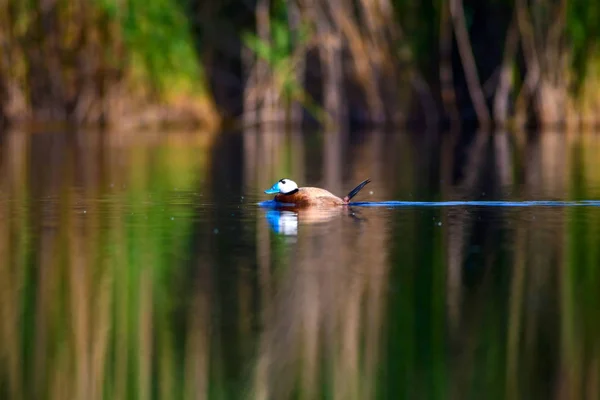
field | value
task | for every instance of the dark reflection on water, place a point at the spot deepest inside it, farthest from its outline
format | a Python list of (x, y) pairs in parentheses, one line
[(141, 266)]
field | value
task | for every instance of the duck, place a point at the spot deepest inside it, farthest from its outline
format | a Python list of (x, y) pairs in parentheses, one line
[(288, 192)]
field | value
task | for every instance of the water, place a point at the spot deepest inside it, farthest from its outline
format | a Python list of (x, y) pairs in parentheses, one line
[(143, 266)]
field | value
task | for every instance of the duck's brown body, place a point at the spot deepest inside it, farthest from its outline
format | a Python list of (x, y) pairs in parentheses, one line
[(310, 196)]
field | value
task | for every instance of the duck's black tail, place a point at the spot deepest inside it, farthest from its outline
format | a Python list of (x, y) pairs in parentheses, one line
[(355, 191)]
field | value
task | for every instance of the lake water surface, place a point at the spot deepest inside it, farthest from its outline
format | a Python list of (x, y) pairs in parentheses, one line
[(142, 266)]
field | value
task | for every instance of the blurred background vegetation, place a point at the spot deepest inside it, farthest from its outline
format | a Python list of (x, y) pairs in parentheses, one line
[(431, 62), (138, 266)]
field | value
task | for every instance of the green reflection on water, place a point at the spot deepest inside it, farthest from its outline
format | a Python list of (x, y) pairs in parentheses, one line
[(133, 268)]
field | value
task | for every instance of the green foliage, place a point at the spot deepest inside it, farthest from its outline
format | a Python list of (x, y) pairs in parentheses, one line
[(159, 42), (279, 51), (420, 21), (583, 33)]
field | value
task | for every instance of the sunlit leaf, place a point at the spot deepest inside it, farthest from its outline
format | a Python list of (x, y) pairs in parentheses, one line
[(262, 49), (281, 37)]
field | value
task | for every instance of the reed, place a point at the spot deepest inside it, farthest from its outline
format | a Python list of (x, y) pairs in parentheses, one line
[(366, 61), (376, 57), (93, 62)]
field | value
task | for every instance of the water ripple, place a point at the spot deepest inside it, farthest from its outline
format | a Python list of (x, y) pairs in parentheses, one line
[(476, 203), (467, 203)]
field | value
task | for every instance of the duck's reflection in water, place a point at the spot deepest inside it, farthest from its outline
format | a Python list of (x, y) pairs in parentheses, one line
[(323, 304), (285, 220)]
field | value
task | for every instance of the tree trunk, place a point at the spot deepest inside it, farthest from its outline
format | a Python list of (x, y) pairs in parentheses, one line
[(505, 81), (448, 93), (468, 63), (295, 107)]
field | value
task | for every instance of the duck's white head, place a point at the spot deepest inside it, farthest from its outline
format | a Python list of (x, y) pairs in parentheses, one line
[(283, 186)]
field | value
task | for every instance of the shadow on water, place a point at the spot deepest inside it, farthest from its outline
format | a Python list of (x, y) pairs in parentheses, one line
[(141, 266)]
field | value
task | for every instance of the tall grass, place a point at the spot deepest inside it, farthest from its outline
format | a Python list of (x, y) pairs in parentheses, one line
[(367, 61), (94, 62), (525, 67)]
